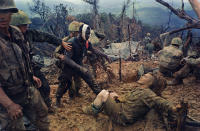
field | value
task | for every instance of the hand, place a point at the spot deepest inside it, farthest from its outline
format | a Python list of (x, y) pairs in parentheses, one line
[(14, 111), (62, 57), (164, 35), (114, 95), (67, 46), (38, 81)]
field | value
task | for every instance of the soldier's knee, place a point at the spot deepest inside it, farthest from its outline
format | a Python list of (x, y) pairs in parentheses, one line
[(103, 95)]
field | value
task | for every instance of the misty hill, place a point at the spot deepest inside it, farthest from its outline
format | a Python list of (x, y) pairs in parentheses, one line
[(149, 12)]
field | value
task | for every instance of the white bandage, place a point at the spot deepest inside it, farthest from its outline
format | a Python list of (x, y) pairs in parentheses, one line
[(84, 29), (101, 98)]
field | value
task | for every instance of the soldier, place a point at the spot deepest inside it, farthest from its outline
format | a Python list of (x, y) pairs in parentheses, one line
[(94, 59), (170, 58), (134, 105), (18, 95), (22, 21), (76, 83), (80, 46), (149, 48), (192, 66), (147, 39)]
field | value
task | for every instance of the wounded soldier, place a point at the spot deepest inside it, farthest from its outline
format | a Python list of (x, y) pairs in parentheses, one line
[(135, 104)]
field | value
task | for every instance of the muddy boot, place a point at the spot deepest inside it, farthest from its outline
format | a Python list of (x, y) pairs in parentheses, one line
[(58, 102), (49, 105), (174, 82)]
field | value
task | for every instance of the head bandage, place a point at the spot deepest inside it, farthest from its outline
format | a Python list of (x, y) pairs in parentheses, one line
[(84, 29)]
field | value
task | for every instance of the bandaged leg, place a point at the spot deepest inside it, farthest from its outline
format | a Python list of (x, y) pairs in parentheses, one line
[(98, 103)]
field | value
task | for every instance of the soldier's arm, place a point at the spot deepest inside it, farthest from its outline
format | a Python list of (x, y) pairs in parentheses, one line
[(193, 61), (58, 51), (4, 99), (97, 52), (39, 36)]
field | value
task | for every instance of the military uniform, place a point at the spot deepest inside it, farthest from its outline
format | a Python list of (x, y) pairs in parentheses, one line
[(149, 48), (31, 36), (21, 19), (137, 103), (192, 66), (76, 54), (169, 60), (16, 81)]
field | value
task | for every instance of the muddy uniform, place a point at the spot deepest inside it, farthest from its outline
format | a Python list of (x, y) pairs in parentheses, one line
[(149, 48), (169, 60), (76, 82), (135, 106), (31, 36), (94, 60), (77, 53), (16, 81), (192, 65)]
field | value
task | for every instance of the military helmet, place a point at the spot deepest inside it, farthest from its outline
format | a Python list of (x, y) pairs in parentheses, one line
[(8, 6), (146, 80), (176, 41), (74, 26), (148, 34), (20, 18)]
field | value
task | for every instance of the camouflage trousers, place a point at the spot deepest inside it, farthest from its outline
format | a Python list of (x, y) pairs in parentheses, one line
[(168, 72), (35, 110), (186, 70), (66, 82), (136, 106), (45, 88)]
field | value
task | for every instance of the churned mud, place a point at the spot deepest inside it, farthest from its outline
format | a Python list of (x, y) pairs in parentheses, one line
[(70, 117)]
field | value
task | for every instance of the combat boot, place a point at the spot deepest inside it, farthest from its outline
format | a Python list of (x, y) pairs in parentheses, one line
[(174, 82)]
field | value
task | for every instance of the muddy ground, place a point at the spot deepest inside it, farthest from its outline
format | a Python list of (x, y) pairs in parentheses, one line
[(70, 117)]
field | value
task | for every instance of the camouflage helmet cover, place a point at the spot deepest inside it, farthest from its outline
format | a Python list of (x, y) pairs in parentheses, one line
[(8, 6), (93, 38), (74, 26), (176, 41), (20, 18), (148, 34)]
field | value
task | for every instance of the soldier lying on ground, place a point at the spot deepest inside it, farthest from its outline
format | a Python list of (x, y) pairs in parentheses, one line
[(80, 46), (136, 104), (192, 65), (18, 95), (22, 21)]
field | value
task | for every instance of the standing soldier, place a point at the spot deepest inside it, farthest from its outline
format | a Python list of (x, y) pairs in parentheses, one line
[(22, 21), (74, 31), (170, 58), (80, 46), (18, 95)]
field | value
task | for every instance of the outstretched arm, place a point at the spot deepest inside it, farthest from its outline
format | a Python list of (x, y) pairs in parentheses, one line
[(39, 36), (98, 52)]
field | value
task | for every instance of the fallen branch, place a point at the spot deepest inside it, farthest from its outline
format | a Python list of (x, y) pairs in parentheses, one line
[(192, 22)]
